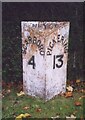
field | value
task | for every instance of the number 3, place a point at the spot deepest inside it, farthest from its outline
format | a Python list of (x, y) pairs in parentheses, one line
[(59, 57)]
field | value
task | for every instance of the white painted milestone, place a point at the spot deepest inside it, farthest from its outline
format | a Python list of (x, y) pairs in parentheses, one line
[(45, 55)]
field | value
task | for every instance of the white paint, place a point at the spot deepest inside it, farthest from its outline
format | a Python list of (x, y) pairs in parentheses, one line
[(44, 81), (26, 34)]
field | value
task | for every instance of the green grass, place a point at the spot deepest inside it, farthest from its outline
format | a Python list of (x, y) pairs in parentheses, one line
[(13, 106)]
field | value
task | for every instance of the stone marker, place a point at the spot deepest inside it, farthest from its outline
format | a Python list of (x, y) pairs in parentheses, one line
[(44, 54)]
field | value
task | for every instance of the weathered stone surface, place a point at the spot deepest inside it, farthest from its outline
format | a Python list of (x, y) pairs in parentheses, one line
[(45, 52)]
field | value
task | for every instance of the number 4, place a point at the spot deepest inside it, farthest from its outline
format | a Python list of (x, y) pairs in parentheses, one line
[(32, 61)]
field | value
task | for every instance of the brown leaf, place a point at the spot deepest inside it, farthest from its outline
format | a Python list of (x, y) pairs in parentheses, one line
[(77, 103), (38, 110), (69, 88), (78, 81), (26, 108), (68, 94), (82, 90), (81, 97)]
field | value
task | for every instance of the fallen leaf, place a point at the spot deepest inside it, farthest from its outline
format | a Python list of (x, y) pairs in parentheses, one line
[(26, 108), (72, 117), (69, 88), (20, 94), (68, 94), (81, 97), (26, 115), (78, 81), (82, 90), (55, 117), (19, 117), (77, 103), (38, 110)]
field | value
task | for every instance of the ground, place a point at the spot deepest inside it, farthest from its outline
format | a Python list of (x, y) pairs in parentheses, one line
[(70, 104)]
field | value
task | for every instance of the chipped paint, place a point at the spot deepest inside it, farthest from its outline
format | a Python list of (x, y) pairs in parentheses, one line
[(45, 53)]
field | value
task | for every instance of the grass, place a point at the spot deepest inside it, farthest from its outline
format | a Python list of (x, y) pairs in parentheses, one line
[(61, 106)]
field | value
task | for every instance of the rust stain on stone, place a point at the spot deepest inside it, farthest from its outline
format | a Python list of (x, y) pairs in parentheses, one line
[(33, 48), (46, 79)]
